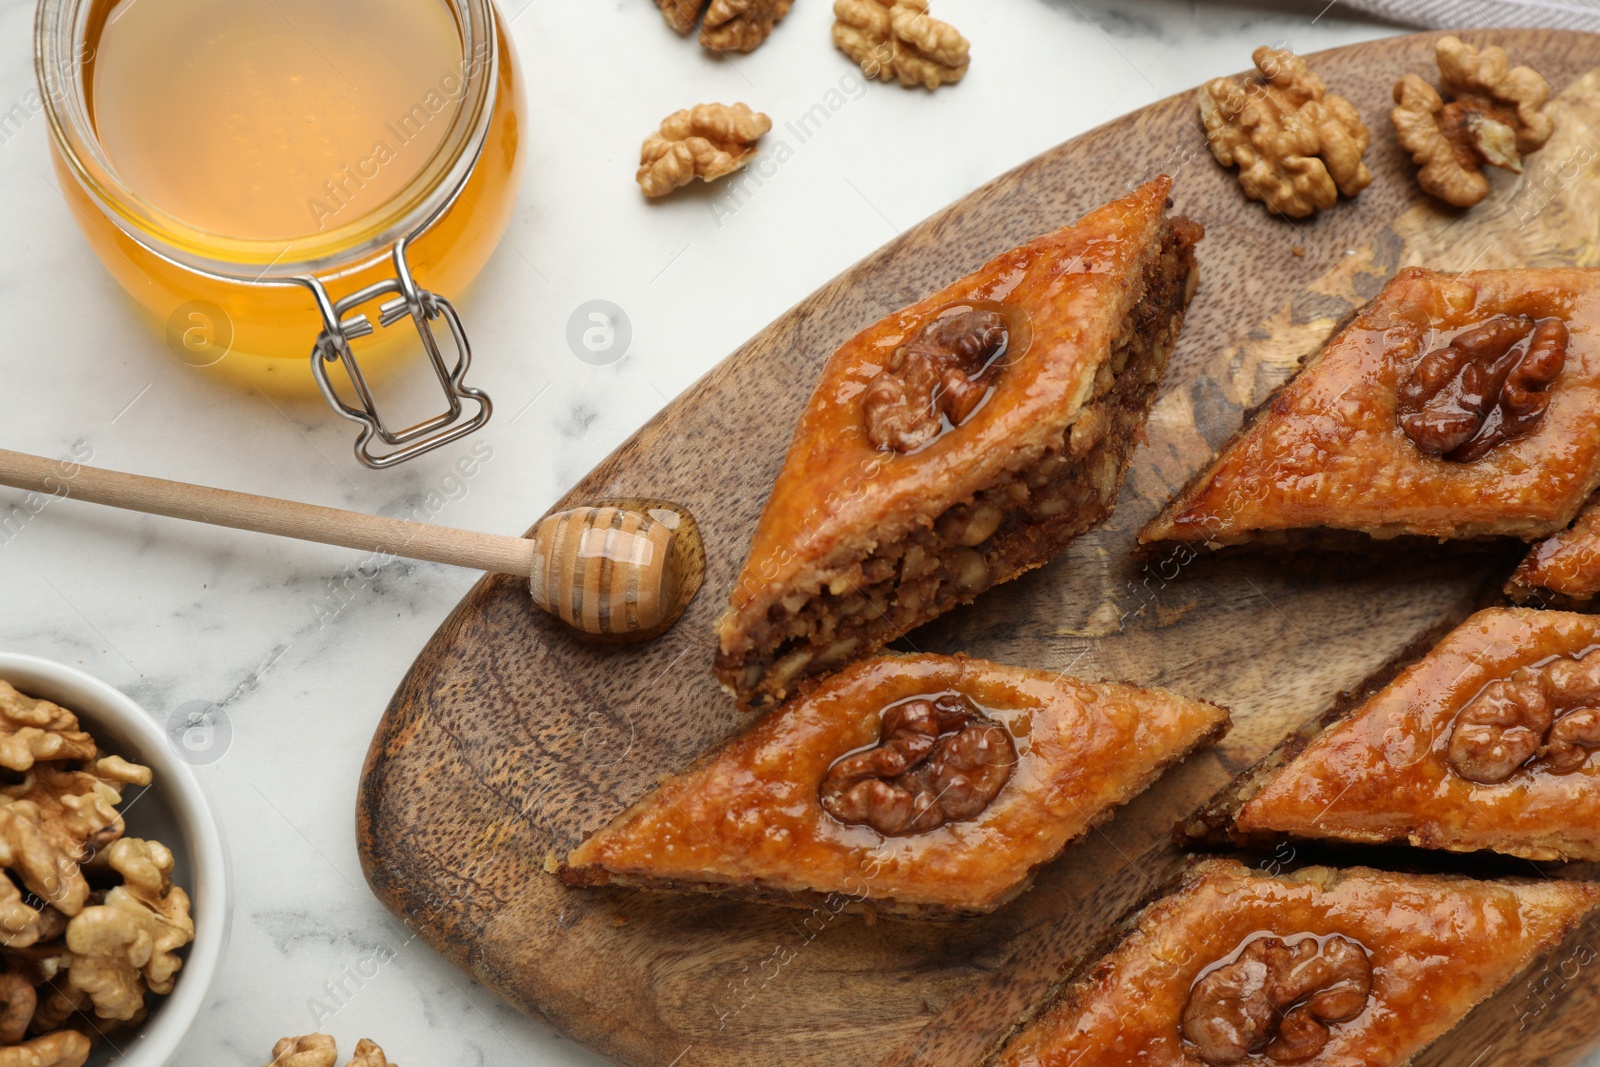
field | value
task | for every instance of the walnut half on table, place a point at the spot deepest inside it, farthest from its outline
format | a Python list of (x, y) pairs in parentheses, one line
[(320, 1050), (897, 40), (1298, 147), (708, 142), (729, 25)]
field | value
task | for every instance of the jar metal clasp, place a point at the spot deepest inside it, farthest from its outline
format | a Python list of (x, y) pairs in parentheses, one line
[(342, 324)]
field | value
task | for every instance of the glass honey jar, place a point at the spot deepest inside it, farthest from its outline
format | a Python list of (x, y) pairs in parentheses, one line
[(256, 172)]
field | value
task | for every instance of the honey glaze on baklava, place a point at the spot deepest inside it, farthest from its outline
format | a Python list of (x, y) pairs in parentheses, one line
[(915, 786), (1322, 967), (1452, 406), (960, 442), (1563, 570), (1486, 742)]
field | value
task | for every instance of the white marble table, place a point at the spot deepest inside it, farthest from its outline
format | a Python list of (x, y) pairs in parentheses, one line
[(299, 649)]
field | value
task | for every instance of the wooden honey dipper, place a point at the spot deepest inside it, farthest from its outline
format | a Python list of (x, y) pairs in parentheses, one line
[(621, 570)]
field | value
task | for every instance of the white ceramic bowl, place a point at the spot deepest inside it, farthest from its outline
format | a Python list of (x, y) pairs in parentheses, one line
[(175, 812)]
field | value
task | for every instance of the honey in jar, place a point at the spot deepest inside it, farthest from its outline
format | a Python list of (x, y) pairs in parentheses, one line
[(281, 165), (271, 119)]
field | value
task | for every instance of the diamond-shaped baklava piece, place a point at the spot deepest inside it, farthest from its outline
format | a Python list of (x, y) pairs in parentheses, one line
[(959, 443), (1322, 967), (1453, 406), (1483, 743), (922, 786)]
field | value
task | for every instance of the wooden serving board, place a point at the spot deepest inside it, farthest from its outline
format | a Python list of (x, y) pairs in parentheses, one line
[(509, 740)]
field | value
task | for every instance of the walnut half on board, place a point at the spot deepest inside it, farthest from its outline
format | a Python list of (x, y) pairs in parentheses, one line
[(1495, 116), (1297, 146), (897, 40), (708, 142)]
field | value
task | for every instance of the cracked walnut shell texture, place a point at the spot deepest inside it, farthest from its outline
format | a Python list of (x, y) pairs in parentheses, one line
[(898, 40), (708, 142), (1298, 147), (729, 25)]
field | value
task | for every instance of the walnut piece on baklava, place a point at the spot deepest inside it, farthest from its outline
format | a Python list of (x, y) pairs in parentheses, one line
[(960, 442)]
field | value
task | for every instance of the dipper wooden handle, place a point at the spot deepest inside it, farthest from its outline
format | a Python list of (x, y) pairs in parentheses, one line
[(268, 515), (622, 570)]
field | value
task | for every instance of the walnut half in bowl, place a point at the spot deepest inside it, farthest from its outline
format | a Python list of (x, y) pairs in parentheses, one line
[(100, 932)]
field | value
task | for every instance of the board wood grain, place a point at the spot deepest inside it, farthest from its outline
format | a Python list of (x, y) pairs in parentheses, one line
[(509, 740)]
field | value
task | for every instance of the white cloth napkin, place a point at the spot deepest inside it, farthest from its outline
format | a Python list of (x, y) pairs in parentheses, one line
[(1470, 14)]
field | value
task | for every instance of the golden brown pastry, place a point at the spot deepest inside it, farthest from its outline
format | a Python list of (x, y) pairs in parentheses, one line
[(1453, 406), (959, 443), (918, 786), (1483, 743), (1323, 968), (1564, 570)]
